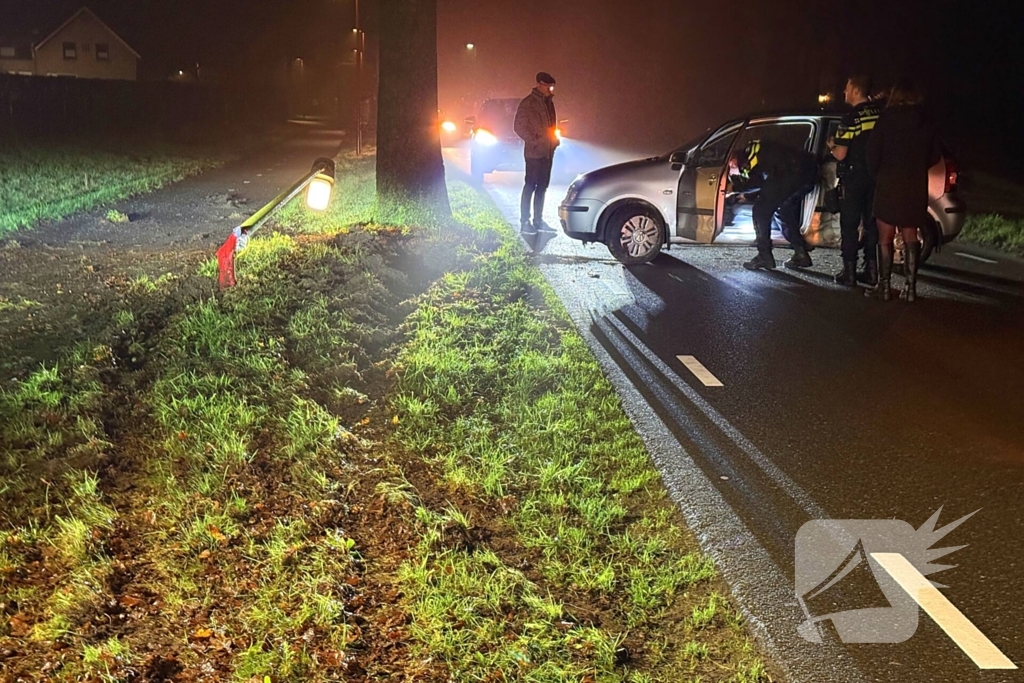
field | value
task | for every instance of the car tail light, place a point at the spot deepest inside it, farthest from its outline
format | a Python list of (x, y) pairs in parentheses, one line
[(952, 176)]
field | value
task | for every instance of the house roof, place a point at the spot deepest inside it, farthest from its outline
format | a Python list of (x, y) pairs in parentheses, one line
[(85, 10), (35, 26)]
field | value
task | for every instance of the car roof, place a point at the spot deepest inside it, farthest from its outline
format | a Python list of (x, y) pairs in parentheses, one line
[(792, 114), (787, 114)]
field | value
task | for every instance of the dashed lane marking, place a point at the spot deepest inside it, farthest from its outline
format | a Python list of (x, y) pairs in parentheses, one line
[(699, 371), (958, 627)]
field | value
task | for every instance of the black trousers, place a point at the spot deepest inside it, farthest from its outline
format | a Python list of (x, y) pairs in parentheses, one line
[(538, 177), (857, 198), (782, 200)]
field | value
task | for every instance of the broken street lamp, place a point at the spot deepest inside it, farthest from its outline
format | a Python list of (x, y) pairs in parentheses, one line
[(318, 183)]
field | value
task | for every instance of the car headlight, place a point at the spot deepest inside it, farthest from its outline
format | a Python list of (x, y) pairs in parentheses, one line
[(449, 127), (485, 137)]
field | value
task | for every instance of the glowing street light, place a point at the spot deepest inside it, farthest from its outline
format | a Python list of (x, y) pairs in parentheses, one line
[(470, 46), (318, 193), (824, 98)]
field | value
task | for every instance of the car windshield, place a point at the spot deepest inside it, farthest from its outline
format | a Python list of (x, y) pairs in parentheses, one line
[(498, 115)]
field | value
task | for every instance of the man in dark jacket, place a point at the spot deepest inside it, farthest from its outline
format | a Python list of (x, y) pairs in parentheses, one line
[(857, 187), (783, 176), (535, 123)]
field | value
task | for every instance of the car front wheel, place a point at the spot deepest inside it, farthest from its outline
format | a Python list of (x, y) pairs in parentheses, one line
[(634, 234)]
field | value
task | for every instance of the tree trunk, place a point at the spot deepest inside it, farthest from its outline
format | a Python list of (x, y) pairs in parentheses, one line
[(409, 165)]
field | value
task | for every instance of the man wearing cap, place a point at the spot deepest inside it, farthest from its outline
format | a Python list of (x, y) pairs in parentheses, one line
[(535, 124)]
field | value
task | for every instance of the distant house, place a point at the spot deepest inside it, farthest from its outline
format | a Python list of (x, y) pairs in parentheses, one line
[(82, 47)]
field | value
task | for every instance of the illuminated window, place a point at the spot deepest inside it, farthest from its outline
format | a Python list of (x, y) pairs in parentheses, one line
[(102, 52), (7, 52), (70, 51)]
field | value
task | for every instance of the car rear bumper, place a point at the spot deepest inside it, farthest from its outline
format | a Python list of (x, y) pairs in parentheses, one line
[(949, 213)]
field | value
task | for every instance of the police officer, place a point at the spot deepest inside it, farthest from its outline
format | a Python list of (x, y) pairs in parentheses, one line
[(536, 124), (856, 187), (782, 176)]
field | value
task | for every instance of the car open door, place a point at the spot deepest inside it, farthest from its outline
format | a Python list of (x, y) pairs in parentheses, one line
[(701, 196)]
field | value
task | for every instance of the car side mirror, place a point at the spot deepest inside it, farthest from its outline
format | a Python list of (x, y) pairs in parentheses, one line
[(678, 157)]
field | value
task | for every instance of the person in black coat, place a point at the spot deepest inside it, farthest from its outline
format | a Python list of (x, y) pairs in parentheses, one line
[(901, 150)]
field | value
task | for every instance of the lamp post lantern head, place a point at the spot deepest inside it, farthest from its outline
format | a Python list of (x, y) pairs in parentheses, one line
[(318, 193)]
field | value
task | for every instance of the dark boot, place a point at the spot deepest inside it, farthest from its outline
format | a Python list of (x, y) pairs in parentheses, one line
[(763, 260), (912, 257), (799, 259), (848, 275), (883, 290), (869, 276)]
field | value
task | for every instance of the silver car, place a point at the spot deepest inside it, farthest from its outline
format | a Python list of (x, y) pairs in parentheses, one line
[(683, 197)]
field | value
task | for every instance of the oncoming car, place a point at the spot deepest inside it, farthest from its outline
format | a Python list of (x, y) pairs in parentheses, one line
[(684, 197), (495, 143)]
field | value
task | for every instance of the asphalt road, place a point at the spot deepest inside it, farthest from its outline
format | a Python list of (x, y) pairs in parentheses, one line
[(832, 406)]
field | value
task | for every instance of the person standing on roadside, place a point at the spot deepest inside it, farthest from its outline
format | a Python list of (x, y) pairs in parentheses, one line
[(903, 147), (535, 123), (856, 186)]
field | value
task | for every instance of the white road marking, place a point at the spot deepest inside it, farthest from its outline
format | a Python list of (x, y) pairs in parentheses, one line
[(958, 627), (701, 372), (973, 257)]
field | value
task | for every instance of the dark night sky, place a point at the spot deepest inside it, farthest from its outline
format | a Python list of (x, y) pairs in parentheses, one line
[(637, 74), (647, 74)]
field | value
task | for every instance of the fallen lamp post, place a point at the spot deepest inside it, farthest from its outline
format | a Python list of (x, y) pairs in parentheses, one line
[(318, 184)]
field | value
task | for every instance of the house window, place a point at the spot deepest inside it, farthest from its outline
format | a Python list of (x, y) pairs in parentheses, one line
[(70, 51), (102, 52), (7, 52)]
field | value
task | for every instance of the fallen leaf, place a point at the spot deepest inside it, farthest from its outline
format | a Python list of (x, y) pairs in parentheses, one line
[(217, 534), (202, 634), (394, 420), (205, 554), (352, 580), (18, 627), (129, 601)]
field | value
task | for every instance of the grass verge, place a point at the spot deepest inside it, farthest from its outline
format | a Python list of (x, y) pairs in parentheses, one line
[(43, 182), (994, 231), (593, 577), (386, 453)]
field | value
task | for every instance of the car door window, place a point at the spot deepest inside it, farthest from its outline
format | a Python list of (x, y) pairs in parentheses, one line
[(792, 134), (714, 152)]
